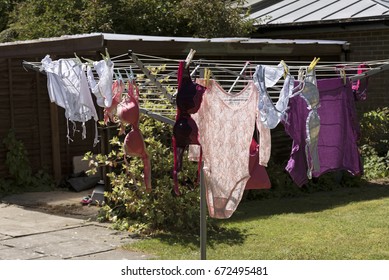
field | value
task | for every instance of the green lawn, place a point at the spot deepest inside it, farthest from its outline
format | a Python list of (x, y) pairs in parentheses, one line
[(348, 224)]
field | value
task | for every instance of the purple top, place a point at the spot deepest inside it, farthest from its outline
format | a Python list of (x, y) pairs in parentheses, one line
[(339, 131)]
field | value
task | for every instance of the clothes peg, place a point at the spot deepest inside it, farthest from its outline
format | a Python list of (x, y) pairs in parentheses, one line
[(77, 58), (313, 64), (106, 57), (88, 61), (301, 74), (207, 76), (130, 76), (189, 57), (286, 68), (118, 75), (343, 75)]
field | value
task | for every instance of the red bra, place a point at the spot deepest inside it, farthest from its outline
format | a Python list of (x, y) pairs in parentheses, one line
[(185, 130)]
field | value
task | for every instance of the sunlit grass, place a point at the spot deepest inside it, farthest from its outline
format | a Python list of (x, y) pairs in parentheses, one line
[(343, 224)]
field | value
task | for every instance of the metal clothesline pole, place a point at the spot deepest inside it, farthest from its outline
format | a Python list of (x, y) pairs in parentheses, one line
[(203, 216), (203, 202)]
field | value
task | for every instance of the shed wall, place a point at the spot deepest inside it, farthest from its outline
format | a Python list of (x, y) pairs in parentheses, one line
[(25, 107)]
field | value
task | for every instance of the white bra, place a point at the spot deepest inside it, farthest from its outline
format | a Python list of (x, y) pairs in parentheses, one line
[(268, 76)]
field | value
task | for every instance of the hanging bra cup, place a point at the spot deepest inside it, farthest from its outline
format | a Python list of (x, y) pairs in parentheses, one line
[(272, 75), (190, 96), (310, 93), (134, 144), (185, 131), (128, 112)]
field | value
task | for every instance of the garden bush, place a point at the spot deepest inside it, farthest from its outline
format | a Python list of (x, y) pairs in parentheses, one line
[(128, 206), (374, 143), (21, 177)]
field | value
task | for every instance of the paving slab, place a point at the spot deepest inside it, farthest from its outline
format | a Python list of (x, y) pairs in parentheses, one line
[(70, 243), (2, 236), (55, 226), (16, 221), (118, 254), (18, 254)]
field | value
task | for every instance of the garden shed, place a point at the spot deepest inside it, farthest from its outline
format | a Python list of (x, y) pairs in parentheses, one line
[(41, 125)]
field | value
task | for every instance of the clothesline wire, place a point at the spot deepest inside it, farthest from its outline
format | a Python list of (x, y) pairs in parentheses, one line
[(270, 62), (160, 98), (238, 63)]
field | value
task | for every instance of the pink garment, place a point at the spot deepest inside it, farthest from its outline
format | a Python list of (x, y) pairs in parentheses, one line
[(134, 145), (258, 175), (226, 125), (264, 142), (360, 86), (117, 90)]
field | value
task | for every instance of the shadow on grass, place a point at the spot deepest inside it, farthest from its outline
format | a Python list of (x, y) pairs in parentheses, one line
[(215, 236), (304, 202), (307, 201)]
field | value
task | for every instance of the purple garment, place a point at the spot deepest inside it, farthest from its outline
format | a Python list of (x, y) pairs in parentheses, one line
[(339, 131)]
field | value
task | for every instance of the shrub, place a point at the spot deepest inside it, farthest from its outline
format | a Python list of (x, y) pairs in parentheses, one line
[(128, 206), (21, 177), (375, 143)]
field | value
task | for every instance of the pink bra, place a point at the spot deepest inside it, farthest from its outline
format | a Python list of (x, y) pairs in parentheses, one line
[(128, 112)]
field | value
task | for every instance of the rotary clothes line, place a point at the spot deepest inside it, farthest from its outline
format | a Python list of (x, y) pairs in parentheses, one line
[(278, 85), (275, 98)]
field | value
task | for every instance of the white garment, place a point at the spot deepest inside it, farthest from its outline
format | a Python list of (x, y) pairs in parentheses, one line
[(265, 77), (226, 125), (103, 88), (68, 87)]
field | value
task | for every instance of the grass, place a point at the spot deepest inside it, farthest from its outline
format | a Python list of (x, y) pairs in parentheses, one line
[(342, 224)]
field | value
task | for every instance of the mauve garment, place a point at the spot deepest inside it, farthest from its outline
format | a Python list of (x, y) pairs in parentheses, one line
[(339, 130)]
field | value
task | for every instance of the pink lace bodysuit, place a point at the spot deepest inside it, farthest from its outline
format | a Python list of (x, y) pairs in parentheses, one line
[(226, 124)]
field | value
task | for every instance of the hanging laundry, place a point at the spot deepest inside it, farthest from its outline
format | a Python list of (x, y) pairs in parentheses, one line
[(226, 124), (337, 139), (307, 90), (117, 91), (68, 87), (360, 86), (128, 113), (102, 89), (259, 178), (185, 130), (265, 77)]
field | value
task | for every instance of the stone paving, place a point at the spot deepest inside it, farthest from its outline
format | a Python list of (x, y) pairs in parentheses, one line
[(29, 232)]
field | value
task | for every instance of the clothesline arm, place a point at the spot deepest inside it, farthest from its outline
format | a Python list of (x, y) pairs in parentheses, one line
[(370, 72), (148, 74)]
